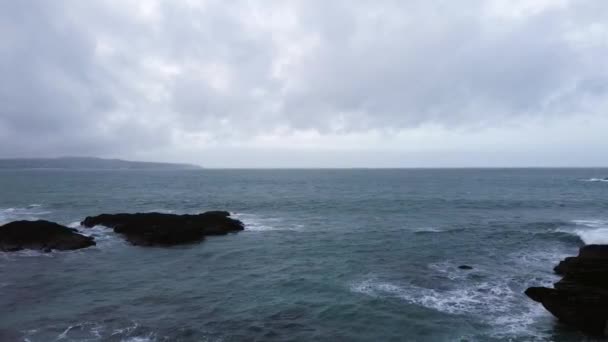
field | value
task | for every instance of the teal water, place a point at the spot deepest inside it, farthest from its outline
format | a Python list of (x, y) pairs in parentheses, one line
[(327, 255)]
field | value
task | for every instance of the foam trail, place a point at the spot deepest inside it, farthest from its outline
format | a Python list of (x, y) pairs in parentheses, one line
[(596, 180)]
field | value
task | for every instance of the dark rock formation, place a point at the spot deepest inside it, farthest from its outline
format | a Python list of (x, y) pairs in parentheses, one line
[(465, 267), (580, 298), (158, 229), (41, 235)]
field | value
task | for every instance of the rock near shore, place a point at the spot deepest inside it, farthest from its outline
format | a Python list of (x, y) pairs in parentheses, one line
[(159, 229), (580, 298), (41, 235)]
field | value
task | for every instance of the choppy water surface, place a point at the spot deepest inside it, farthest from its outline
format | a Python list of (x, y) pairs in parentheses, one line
[(328, 255)]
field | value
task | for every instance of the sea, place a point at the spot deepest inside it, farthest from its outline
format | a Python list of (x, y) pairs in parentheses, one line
[(326, 255)]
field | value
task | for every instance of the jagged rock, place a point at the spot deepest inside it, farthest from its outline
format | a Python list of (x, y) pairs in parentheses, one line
[(159, 229), (41, 235), (580, 298)]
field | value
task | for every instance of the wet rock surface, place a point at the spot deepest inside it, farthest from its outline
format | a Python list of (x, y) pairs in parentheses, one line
[(160, 229), (580, 298), (41, 235)]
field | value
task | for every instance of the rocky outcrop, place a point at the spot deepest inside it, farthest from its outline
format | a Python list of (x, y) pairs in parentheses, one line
[(41, 235), (580, 298), (159, 229)]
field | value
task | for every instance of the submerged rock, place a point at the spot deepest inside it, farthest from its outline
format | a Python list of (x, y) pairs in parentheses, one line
[(159, 229), (41, 235), (465, 267), (580, 298)]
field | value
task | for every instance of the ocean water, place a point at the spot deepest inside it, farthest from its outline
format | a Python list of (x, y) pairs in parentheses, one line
[(327, 255)]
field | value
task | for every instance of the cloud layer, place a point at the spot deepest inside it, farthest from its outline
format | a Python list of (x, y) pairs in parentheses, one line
[(300, 83)]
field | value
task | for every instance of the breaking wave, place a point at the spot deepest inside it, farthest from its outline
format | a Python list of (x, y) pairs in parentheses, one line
[(596, 180), (589, 231), (103, 236)]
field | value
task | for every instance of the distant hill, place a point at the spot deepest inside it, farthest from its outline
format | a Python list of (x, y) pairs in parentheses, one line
[(89, 163)]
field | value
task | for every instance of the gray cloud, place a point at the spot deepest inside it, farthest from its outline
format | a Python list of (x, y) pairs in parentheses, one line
[(173, 80)]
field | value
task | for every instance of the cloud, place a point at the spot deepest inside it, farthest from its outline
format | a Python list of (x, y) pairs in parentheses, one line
[(174, 79)]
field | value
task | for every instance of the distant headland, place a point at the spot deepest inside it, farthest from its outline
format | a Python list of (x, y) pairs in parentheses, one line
[(89, 163)]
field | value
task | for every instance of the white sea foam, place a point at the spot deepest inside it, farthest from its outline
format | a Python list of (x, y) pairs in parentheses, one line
[(138, 339), (126, 330), (258, 223), (93, 328), (595, 236), (103, 236), (589, 231), (495, 303), (536, 261), (481, 298)]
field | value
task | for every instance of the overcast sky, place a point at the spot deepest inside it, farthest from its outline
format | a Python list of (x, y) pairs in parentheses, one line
[(311, 83)]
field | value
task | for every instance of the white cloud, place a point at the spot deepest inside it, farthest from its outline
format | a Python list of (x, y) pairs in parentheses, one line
[(173, 80)]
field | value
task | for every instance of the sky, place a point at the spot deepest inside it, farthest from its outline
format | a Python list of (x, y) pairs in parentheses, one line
[(310, 83)]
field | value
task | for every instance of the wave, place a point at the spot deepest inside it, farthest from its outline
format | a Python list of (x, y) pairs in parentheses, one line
[(434, 230), (589, 231), (30, 212), (428, 230), (595, 180), (562, 234)]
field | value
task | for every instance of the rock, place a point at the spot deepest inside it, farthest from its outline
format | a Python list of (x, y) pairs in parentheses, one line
[(41, 235), (580, 298), (465, 267), (159, 229)]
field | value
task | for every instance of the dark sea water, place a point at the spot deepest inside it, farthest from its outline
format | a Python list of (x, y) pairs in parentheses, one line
[(327, 255)]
